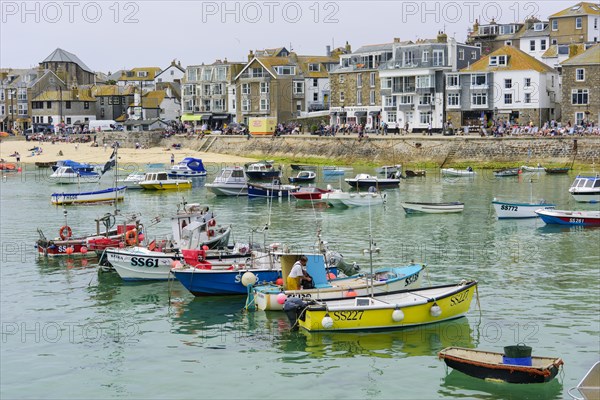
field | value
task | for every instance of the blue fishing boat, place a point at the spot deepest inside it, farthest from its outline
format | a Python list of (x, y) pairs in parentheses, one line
[(188, 167), (76, 166), (273, 190)]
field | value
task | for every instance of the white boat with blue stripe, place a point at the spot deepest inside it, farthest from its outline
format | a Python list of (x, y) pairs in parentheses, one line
[(98, 196), (509, 209)]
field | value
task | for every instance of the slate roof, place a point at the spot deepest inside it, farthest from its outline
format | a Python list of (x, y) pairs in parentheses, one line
[(517, 61), (589, 57), (578, 9), (60, 55)]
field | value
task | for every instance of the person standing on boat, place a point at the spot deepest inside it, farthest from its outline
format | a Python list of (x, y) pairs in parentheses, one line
[(298, 274)]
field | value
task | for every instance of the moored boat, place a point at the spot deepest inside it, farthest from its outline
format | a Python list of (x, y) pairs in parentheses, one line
[(310, 193), (132, 181), (262, 170), (272, 297), (303, 167), (526, 168), (557, 171), (231, 181), (390, 310), (359, 199), (389, 169), (67, 175), (161, 181), (490, 366), (303, 177), (433, 208), (458, 172), (505, 172), (509, 209), (273, 190), (416, 173), (565, 217), (76, 166), (586, 189), (189, 167), (366, 181), (97, 196), (331, 170), (589, 386), (8, 167)]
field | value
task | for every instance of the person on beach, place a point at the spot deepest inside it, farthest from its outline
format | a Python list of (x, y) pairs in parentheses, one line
[(18, 156), (298, 275), (172, 159)]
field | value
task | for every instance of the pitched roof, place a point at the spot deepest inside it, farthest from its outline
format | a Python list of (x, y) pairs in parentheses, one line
[(112, 90), (589, 57), (370, 48), (517, 61), (65, 95), (578, 9), (60, 55), (151, 99), (151, 74)]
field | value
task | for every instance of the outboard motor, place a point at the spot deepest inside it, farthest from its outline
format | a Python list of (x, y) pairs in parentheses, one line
[(293, 307)]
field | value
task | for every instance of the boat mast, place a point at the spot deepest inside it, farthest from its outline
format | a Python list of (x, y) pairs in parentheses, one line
[(116, 176)]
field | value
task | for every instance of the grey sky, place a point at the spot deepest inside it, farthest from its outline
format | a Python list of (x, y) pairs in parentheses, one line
[(110, 35)]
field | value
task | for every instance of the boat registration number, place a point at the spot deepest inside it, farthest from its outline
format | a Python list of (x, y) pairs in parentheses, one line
[(354, 315), (459, 298), (411, 279), (509, 208), (576, 220), (144, 262)]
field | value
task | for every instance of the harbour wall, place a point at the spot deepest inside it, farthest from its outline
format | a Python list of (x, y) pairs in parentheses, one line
[(387, 150)]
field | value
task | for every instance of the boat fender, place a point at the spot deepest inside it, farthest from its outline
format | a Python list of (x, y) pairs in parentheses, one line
[(397, 315), (131, 237), (327, 322), (212, 222), (210, 233), (65, 232), (435, 310)]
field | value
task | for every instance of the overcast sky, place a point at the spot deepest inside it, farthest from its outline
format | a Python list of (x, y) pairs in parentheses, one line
[(110, 35)]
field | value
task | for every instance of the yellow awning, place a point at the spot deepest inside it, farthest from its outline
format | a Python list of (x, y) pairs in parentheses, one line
[(197, 117)]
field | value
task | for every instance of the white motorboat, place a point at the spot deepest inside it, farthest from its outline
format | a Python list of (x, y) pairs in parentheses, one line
[(433, 208), (231, 181), (358, 199), (189, 167), (132, 182), (66, 175), (389, 169), (458, 172), (586, 189), (526, 168)]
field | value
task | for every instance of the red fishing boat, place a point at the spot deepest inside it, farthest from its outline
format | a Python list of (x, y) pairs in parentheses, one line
[(310, 193)]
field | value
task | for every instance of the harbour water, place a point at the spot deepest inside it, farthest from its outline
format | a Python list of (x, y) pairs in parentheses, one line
[(71, 332)]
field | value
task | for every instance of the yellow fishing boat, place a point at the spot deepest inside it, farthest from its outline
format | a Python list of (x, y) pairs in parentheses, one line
[(161, 181), (390, 310)]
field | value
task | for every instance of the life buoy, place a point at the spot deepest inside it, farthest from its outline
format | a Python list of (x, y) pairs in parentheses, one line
[(212, 222), (131, 237), (65, 232)]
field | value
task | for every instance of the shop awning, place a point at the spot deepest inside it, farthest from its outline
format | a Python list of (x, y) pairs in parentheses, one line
[(194, 117), (374, 112), (360, 113)]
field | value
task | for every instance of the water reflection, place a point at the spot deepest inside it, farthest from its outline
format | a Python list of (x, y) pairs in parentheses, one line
[(419, 341), (458, 385), (52, 265)]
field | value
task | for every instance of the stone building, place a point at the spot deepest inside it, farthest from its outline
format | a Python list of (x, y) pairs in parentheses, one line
[(69, 68), (61, 108), (273, 83), (580, 83), (112, 101)]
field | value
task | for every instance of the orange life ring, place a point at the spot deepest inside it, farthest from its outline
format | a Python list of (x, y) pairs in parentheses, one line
[(131, 237), (212, 222), (65, 232)]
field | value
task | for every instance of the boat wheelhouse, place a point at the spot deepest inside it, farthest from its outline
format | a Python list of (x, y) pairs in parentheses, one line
[(586, 189)]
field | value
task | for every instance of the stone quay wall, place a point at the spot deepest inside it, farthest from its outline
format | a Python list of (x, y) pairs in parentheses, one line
[(387, 150)]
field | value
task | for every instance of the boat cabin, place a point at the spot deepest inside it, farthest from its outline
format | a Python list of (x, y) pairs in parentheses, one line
[(231, 175), (156, 176), (587, 182), (265, 166)]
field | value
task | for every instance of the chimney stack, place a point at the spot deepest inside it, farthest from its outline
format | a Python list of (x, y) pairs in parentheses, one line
[(328, 51), (396, 40), (250, 56)]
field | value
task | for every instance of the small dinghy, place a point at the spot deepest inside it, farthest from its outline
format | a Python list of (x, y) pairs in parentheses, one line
[(433, 208), (491, 366), (589, 387)]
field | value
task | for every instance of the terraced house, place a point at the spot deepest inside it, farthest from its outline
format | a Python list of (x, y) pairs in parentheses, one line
[(281, 84), (355, 85), (580, 83), (507, 85), (208, 94), (579, 23), (413, 81)]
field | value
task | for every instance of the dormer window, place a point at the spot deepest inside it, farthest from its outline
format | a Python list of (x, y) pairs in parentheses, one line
[(142, 74), (538, 26), (498, 60), (314, 67)]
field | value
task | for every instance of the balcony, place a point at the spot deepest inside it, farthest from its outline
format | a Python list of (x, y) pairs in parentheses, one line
[(318, 106), (403, 89)]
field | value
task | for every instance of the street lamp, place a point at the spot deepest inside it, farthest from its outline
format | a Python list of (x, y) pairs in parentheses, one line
[(13, 93)]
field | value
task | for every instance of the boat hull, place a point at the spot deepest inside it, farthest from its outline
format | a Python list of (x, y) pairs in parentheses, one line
[(363, 199), (586, 197), (508, 210), (186, 174), (432, 208), (454, 304), (543, 370), (267, 297), (277, 191), (158, 185), (380, 183), (457, 172), (201, 282), (100, 196), (574, 218), (240, 189)]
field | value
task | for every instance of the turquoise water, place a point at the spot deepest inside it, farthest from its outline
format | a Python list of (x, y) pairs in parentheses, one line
[(71, 332)]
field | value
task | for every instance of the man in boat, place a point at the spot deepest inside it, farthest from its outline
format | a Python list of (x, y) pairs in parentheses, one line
[(298, 275)]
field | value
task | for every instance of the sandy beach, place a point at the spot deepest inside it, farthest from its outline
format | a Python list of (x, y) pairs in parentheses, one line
[(83, 152)]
